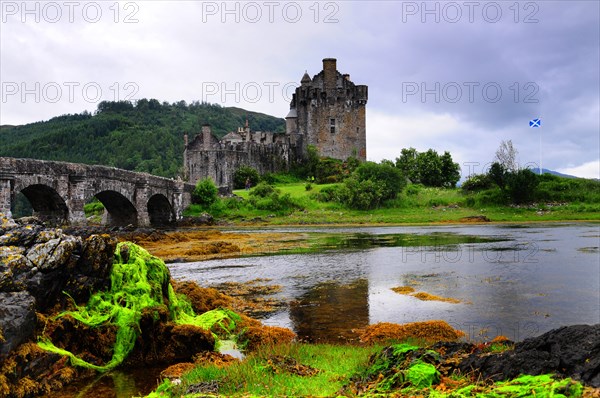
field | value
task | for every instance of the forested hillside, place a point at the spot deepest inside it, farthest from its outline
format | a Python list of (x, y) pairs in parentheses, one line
[(147, 136)]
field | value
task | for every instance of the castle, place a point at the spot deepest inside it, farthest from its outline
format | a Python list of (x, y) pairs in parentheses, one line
[(327, 111)]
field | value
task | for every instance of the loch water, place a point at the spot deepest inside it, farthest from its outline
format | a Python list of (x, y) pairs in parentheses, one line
[(513, 280)]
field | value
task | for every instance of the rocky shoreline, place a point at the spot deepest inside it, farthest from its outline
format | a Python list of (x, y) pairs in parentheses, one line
[(47, 271)]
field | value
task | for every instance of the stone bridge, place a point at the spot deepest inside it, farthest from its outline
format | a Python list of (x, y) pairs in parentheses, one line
[(57, 192)]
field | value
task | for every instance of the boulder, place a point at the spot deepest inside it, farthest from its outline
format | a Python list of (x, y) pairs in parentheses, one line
[(569, 351), (17, 320)]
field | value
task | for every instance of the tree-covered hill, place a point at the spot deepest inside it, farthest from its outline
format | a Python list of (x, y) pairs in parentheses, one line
[(145, 136)]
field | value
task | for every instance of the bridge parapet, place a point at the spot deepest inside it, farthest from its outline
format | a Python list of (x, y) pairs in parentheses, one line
[(59, 190)]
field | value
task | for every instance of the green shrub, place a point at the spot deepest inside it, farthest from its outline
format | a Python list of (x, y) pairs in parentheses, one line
[(494, 196), (521, 186), (470, 201), (361, 195), (262, 190), (93, 208), (329, 170), (414, 189), (205, 193), (477, 182), (435, 202), (388, 178), (328, 194), (243, 174), (275, 203)]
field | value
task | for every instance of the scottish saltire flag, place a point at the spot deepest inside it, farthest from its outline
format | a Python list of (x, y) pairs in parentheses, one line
[(535, 123)]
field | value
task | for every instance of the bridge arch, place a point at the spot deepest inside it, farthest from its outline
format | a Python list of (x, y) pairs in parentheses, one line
[(160, 210), (47, 204), (119, 210)]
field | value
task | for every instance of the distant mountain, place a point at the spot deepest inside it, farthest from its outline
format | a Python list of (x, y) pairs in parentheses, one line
[(146, 136), (556, 173)]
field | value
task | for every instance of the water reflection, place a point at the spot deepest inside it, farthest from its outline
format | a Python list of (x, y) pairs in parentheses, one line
[(328, 311), (512, 280), (115, 384)]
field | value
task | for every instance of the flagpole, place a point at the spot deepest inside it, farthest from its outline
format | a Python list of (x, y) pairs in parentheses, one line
[(540, 151)]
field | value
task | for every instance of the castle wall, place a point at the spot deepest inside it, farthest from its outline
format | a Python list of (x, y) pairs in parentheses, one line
[(222, 159)]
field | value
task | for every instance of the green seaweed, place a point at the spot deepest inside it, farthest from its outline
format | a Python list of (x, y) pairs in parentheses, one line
[(422, 375), (542, 386), (138, 281)]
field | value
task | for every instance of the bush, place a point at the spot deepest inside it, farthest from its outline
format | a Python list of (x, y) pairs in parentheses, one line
[(361, 195), (477, 182), (494, 196), (413, 189), (243, 174), (388, 178), (329, 170), (328, 194), (205, 193), (275, 203), (262, 190), (521, 186)]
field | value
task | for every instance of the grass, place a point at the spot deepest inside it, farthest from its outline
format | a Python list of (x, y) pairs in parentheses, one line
[(302, 370), (415, 205), (262, 373)]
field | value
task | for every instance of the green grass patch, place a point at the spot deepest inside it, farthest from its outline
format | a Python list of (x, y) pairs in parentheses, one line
[(261, 373), (323, 370), (416, 204)]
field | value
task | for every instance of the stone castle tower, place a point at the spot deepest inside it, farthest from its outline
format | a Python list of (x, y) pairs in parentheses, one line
[(330, 112), (327, 111)]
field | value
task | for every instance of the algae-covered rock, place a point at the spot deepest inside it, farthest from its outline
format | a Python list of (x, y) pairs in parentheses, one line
[(396, 367), (570, 351)]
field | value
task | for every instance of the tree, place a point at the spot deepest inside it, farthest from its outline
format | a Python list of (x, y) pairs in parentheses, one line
[(498, 174), (450, 171), (430, 168), (407, 163), (506, 155)]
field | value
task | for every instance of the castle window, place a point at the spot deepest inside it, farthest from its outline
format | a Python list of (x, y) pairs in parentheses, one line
[(332, 126)]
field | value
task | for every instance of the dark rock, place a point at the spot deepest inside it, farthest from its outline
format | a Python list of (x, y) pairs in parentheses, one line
[(474, 219), (569, 351), (30, 220), (202, 219), (17, 320)]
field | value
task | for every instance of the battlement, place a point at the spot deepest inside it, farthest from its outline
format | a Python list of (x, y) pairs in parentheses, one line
[(327, 111), (330, 111)]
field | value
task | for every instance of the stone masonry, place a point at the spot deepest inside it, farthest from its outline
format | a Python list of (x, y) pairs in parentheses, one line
[(58, 191), (327, 111)]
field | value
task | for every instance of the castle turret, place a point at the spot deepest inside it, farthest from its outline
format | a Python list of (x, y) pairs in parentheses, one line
[(306, 80)]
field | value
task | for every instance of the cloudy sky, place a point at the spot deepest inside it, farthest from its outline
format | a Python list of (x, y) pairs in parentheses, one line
[(456, 76)]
